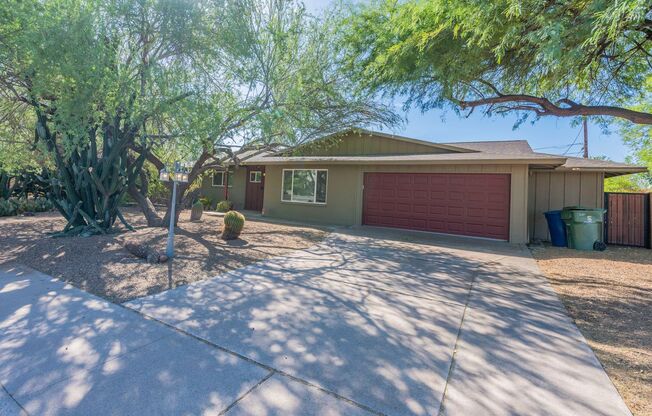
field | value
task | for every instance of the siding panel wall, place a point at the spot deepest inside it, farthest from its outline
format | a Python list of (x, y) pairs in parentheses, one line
[(361, 144), (555, 190), (344, 199), (236, 191)]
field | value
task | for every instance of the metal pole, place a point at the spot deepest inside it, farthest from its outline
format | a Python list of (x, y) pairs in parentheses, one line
[(586, 139), (170, 248), (226, 184)]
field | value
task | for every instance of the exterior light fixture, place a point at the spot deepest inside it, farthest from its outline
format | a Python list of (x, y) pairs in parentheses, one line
[(178, 174)]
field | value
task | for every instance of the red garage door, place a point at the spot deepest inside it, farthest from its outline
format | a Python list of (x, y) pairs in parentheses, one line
[(453, 203)]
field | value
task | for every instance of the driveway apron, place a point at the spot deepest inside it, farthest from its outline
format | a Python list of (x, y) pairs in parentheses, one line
[(401, 323)]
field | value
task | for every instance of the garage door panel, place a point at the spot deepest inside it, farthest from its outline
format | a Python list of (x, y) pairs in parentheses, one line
[(436, 211), (437, 196), (421, 194), (455, 195), (477, 196), (496, 197), (420, 209), (476, 212), (455, 227), (467, 204)]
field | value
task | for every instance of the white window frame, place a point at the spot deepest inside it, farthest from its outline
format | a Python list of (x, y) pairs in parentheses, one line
[(222, 172), (292, 187), (260, 172)]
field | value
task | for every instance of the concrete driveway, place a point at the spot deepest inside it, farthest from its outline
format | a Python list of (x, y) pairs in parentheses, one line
[(370, 322)]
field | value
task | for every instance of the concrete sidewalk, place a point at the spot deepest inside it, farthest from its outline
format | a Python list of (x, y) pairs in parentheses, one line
[(64, 351)]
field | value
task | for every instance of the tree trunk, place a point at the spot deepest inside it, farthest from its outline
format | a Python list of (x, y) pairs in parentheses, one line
[(149, 210)]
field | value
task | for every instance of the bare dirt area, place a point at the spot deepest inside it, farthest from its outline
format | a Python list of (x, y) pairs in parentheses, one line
[(609, 295), (100, 264)]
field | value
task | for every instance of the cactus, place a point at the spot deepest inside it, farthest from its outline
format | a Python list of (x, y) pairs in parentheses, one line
[(196, 211), (224, 206), (91, 178), (233, 224)]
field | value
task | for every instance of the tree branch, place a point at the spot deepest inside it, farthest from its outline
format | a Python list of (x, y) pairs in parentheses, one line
[(544, 107)]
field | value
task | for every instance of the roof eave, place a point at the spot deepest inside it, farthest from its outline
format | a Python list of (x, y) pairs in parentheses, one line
[(552, 162), (610, 171)]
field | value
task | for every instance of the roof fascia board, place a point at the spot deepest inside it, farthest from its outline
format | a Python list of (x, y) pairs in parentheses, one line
[(415, 162)]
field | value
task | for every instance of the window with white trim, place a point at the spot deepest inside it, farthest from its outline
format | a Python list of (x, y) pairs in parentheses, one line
[(218, 178), (307, 186), (255, 176)]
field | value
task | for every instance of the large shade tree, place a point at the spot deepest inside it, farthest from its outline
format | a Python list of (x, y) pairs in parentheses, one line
[(560, 58), (274, 80), (83, 71), (113, 84)]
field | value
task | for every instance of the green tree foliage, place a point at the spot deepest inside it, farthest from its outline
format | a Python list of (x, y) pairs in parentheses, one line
[(561, 58), (274, 80), (639, 139), (84, 72), (627, 183), (110, 84)]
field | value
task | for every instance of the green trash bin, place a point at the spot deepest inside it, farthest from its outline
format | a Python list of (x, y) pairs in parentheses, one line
[(584, 226)]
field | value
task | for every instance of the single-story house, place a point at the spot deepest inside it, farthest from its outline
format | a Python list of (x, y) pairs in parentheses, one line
[(492, 189)]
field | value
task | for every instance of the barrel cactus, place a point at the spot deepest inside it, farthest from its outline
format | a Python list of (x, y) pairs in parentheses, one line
[(196, 211), (233, 224)]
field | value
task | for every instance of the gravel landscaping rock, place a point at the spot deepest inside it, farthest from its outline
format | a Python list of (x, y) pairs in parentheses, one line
[(102, 266), (609, 295)]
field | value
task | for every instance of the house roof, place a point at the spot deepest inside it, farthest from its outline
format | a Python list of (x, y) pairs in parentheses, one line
[(453, 147), (497, 146), (485, 152)]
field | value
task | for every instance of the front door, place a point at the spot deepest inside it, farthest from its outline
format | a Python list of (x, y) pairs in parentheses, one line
[(255, 188)]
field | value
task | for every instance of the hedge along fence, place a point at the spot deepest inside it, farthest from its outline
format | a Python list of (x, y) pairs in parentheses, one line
[(17, 206)]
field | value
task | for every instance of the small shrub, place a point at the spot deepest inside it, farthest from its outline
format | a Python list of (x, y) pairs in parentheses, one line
[(224, 206), (7, 208), (233, 225), (206, 202), (16, 206)]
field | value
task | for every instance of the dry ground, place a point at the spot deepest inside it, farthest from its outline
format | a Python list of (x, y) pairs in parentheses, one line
[(609, 295), (100, 265)]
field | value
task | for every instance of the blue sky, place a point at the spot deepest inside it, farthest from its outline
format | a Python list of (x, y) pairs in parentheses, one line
[(552, 133)]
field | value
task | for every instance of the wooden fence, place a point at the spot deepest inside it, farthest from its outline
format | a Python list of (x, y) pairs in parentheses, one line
[(628, 219)]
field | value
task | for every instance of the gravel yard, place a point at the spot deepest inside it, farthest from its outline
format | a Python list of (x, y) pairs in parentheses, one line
[(609, 295), (100, 264)]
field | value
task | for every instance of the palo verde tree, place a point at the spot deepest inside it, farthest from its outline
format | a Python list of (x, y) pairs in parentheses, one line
[(91, 76), (273, 79), (560, 58)]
